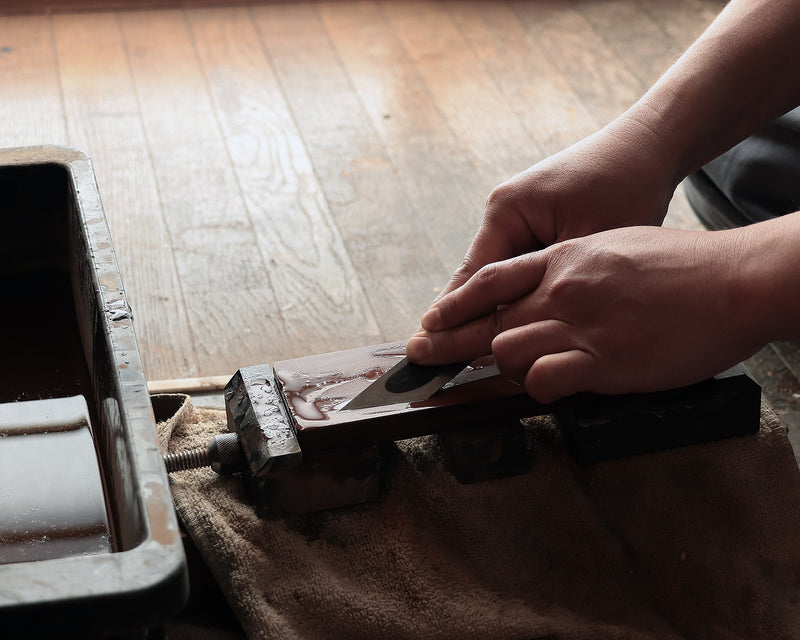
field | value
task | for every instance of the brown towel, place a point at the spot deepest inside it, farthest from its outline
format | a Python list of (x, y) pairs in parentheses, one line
[(700, 542)]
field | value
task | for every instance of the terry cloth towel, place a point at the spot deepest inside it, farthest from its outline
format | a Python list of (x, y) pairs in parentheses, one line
[(698, 543)]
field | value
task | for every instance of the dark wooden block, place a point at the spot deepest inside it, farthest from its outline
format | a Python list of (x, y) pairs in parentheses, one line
[(325, 480), (598, 428), (496, 450)]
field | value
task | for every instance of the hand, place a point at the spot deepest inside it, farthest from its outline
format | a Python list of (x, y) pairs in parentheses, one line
[(617, 177), (628, 310)]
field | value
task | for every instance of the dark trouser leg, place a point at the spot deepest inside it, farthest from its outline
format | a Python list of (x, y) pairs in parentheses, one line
[(756, 180)]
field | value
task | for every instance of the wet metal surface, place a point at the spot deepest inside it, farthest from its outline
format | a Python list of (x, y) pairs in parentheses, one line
[(51, 492)]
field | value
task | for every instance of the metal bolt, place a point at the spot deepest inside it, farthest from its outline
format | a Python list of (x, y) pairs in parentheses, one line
[(223, 454)]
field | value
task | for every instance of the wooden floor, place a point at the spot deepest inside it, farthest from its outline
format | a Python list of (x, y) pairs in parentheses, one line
[(292, 178)]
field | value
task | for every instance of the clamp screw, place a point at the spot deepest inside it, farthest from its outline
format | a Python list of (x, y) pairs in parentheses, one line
[(223, 454)]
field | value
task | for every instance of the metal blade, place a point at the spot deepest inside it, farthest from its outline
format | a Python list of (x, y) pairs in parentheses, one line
[(405, 382), (473, 375)]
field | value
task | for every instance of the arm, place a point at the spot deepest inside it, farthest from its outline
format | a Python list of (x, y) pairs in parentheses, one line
[(740, 74)]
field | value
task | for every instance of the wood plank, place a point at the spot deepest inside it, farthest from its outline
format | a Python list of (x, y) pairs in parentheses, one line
[(31, 111), (384, 124), (682, 20), (21, 7), (576, 49), (443, 180), (640, 43), (462, 89), (539, 94), (645, 47), (383, 233), (189, 386), (224, 279), (104, 120), (315, 283)]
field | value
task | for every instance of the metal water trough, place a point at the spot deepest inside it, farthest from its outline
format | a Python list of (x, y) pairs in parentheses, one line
[(66, 330)]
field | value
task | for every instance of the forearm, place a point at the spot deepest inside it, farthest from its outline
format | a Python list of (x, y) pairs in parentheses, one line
[(767, 263), (740, 74)]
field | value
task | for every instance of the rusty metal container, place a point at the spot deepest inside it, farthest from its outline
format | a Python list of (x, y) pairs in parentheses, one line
[(66, 331)]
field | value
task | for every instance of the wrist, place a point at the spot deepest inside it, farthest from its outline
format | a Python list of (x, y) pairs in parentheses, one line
[(660, 146), (768, 274)]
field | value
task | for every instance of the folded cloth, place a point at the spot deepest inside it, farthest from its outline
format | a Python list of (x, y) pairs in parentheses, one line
[(699, 542)]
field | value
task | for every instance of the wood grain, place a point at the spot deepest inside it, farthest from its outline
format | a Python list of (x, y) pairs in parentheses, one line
[(386, 239), (31, 112), (637, 41), (316, 286), (104, 120), (436, 169), (682, 20), (222, 274), (462, 89), (521, 69), (592, 69)]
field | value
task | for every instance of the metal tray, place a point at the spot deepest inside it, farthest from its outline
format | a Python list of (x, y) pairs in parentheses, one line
[(66, 330)]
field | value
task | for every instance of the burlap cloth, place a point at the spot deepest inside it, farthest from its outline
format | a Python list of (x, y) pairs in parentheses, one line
[(700, 542)]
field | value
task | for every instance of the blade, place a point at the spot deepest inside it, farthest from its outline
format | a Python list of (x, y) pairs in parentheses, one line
[(405, 382)]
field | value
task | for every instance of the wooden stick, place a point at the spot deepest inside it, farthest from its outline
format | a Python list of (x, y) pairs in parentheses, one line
[(209, 384)]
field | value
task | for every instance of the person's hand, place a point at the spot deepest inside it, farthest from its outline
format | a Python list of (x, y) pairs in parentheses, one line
[(628, 310), (617, 177)]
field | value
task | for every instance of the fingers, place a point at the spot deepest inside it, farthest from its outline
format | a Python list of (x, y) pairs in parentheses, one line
[(486, 248), (494, 285), (515, 349), (465, 342), (557, 375), (545, 356), (463, 324)]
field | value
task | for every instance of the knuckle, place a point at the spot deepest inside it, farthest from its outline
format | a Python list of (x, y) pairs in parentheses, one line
[(500, 196), (487, 275), (469, 265), (450, 345), (507, 358), (443, 346), (448, 306), (564, 279)]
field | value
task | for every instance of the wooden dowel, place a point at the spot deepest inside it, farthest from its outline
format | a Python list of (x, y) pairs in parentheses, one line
[(209, 384)]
